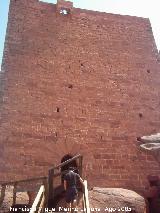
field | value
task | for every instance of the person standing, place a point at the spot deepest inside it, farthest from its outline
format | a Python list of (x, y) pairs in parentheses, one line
[(70, 185)]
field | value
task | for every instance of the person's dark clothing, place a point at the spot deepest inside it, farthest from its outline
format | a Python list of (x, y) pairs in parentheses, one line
[(154, 199), (72, 179), (71, 195)]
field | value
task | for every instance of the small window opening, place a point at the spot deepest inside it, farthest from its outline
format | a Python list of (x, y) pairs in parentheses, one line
[(148, 71), (70, 86), (140, 115), (64, 12), (57, 109)]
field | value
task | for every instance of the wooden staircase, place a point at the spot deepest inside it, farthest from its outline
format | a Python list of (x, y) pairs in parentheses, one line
[(46, 198)]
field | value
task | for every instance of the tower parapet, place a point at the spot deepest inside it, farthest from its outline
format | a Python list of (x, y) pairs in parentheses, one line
[(64, 7)]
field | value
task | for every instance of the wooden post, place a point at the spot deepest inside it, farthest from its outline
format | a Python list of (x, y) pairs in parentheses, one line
[(46, 187), (50, 187), (42, 202), (86, 197), (80, 165), (14, 193), (3, 189), (38, 201)]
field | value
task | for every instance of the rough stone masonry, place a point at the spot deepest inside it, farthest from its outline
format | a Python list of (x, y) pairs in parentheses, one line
[(78, 81)]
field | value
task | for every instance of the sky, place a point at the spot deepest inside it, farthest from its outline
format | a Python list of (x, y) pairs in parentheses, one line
[(141, 8)]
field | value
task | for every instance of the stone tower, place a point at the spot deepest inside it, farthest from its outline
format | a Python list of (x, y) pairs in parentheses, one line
[(78, 81)]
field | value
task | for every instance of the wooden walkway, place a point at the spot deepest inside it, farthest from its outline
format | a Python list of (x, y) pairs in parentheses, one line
[(46, 188)]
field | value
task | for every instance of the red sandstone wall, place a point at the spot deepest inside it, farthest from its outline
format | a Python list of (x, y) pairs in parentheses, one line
[(83, 83)]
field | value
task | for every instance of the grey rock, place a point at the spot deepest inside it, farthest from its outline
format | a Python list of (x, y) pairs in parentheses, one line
[(116, 200), (151, 144), (150, 139)]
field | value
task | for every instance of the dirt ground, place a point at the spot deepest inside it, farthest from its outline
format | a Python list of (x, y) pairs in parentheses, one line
[(22, 198)]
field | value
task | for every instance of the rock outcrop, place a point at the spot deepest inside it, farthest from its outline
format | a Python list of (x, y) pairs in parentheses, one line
[(151, 144), (116, 200)]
